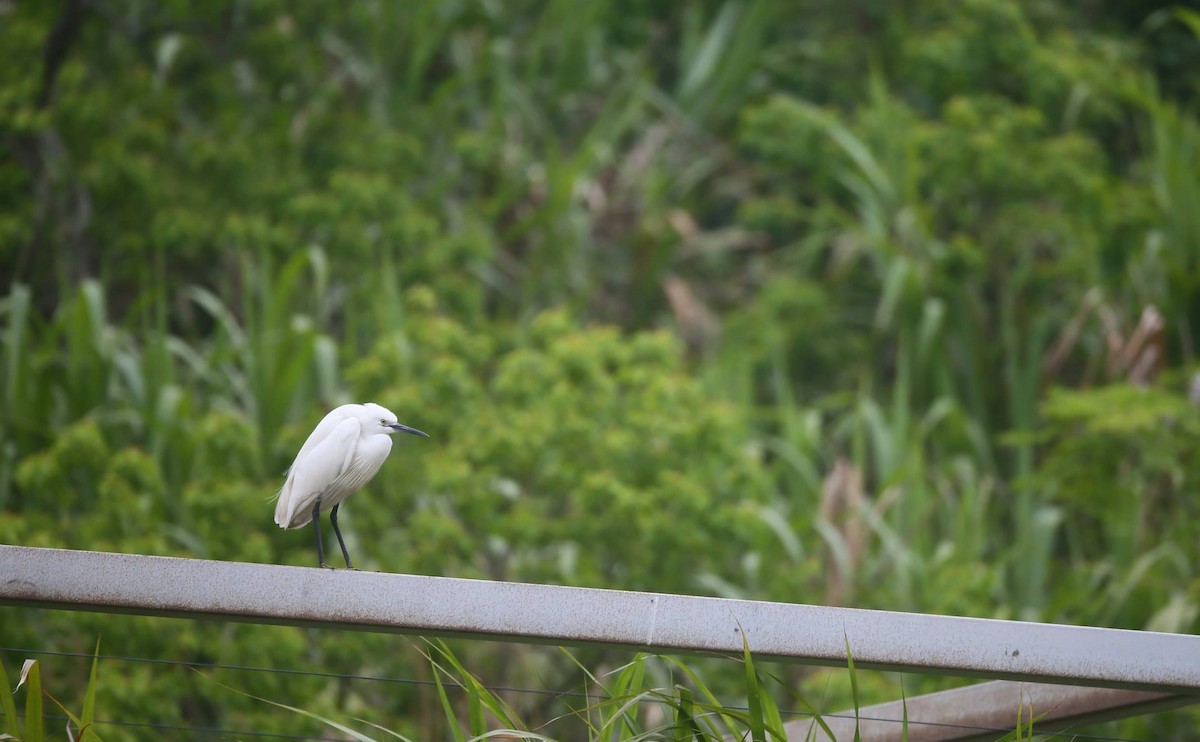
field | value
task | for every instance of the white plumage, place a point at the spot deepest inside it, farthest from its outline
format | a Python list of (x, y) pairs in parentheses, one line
[(341, 455)]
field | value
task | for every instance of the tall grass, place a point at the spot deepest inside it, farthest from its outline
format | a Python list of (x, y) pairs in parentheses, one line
[(264, 356), (31, 726), (941, 428), (1173, 141), (629, 704), (516, 156), (624, 704)]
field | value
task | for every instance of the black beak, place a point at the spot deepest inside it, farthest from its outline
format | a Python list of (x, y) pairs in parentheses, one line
[(405, 429)]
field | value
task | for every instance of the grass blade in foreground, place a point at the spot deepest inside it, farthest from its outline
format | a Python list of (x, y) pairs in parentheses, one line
[(451, 719), (88, 716), (31, 677), (853, 690), (764, 715), (686, 727), (12, 723), (359, 736), (85, 722)]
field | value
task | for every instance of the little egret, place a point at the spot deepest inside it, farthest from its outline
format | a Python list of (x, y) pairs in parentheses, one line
[(341, 455)]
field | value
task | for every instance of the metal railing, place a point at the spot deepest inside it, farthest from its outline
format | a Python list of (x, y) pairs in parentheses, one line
[(1164, 669)]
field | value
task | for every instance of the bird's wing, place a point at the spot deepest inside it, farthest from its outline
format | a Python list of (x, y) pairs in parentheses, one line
[(368, 457), (323, 430), (315, 469)]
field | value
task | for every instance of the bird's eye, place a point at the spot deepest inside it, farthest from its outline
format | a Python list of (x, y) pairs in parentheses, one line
[(382, 421)]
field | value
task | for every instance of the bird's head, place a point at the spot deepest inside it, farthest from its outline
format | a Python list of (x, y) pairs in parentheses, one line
[(382, 420)]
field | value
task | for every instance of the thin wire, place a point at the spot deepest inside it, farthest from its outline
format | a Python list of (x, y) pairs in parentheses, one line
[(282, 735), (531, 691), (998, 730), (203, 730), (282, 671)]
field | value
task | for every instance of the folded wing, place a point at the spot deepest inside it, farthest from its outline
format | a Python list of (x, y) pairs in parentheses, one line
[(325, 427), (316, 473)]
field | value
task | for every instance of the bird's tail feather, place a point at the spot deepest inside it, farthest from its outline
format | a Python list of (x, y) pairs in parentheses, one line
[(281, 507)]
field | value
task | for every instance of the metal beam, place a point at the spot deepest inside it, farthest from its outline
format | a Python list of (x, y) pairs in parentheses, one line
[(985, 712), (507, 611)]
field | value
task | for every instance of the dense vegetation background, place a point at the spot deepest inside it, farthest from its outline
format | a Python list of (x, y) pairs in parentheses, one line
[(881, 304)]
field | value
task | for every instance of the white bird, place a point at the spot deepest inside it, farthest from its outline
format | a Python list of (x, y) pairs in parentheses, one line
[(341, 455)]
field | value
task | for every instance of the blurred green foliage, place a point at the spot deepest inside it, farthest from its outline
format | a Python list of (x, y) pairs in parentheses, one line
[(868, 304)]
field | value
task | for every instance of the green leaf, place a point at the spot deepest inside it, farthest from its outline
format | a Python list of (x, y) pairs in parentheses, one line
[(353, 734), (1189, 18), (86, 731), (12, 722), (88, 717), (447, 708), (475, 712), (17, 355), (713, 708), (493, 703), (31, 678), (686, 727), (753, 695), (853, 687)]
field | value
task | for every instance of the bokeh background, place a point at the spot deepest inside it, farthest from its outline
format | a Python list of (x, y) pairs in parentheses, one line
[(878, 304)]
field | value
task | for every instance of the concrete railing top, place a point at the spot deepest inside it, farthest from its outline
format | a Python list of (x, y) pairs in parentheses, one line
[(506, 611)]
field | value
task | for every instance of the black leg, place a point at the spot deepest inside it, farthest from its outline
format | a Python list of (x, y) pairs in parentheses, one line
[(341, 543), (317, 526)]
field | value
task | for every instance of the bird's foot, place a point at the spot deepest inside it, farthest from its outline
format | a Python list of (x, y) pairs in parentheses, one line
[(326, 566)]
